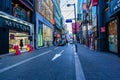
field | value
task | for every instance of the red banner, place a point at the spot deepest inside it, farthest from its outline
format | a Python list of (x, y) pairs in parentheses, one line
[(76, 28), (94, 2)]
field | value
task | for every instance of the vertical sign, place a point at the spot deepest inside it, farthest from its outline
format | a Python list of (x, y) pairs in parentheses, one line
[(40, 5), (94, 2), (84, 6)]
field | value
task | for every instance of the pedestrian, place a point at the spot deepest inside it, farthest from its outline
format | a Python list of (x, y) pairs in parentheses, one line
[(67, 42), (48, 44), (21, 44)]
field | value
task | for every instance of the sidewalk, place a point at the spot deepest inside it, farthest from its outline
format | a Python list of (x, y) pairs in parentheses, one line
[(23, 51), (99, 65)]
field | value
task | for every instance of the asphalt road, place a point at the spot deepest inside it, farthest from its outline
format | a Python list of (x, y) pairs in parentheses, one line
[(53, 63)]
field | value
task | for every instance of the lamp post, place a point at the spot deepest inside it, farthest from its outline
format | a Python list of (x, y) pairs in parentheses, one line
[(68, 5)]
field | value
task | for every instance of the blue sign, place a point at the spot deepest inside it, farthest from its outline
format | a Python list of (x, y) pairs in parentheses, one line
[(45, 21), (68, 20), (115, 6)]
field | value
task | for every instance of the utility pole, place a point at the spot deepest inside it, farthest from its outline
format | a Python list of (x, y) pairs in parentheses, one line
[(75, 40)]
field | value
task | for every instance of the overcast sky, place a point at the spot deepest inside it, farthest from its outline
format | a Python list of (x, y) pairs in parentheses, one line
[(67, 12)]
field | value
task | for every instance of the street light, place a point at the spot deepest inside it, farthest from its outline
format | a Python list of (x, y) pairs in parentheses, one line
[(68, 5)]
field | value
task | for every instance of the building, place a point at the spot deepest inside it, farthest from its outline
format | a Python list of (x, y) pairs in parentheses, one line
[(15, 24), (44, 23), (92, 23), (57, 17), (79, 18), (110, 26)]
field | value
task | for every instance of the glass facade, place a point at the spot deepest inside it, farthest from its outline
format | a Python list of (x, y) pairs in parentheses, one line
[(112, 37), (47, 34), (15, 37)]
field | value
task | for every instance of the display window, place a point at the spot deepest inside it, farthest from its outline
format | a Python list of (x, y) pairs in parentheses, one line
[(40, 35), (112, 37), (47, 34), (15, 37)]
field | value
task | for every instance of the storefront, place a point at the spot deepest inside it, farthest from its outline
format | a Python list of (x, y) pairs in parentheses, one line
[(47, 35), (44, 31), (12, 30), (112, 36), (114, 27)]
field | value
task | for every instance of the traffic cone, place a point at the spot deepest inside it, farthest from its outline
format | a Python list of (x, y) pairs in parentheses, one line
[(29, 48), (17, 51)]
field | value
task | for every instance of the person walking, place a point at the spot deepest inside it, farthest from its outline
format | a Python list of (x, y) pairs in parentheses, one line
[(21, 44), (67, 42)]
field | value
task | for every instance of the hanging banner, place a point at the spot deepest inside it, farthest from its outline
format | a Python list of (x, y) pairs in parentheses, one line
[(94, 2), (76, 28)]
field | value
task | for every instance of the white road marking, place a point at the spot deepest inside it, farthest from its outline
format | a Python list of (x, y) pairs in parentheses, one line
[(57, 55), (78, 68), (56, 48), (24, 61)]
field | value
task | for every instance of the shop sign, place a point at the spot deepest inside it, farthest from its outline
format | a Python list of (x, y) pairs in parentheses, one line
[(40, 5), (15, 25), (11, 36), (102, 29), (94, 2), (115, 5), (76, 27), (45, 21)]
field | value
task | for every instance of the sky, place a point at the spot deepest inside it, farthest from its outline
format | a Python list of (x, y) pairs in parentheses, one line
[(67, 12)]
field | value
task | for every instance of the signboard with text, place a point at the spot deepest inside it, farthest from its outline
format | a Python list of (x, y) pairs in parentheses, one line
[(114, 6)]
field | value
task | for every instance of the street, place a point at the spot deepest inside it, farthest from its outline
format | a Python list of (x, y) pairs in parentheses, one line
[(60, 63), (53, 63)]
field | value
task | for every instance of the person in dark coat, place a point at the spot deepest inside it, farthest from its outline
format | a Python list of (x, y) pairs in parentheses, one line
[(21, 44)]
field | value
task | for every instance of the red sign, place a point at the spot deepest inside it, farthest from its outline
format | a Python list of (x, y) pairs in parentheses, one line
[(53, 21), (102, 29), (94, 2), (11, 36), (76, 28)]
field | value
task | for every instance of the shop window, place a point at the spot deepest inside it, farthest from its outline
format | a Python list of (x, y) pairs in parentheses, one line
[(21, 13)]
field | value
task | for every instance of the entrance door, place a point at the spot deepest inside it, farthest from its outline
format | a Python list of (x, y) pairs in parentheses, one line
[(113, 46), (4, 40)]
